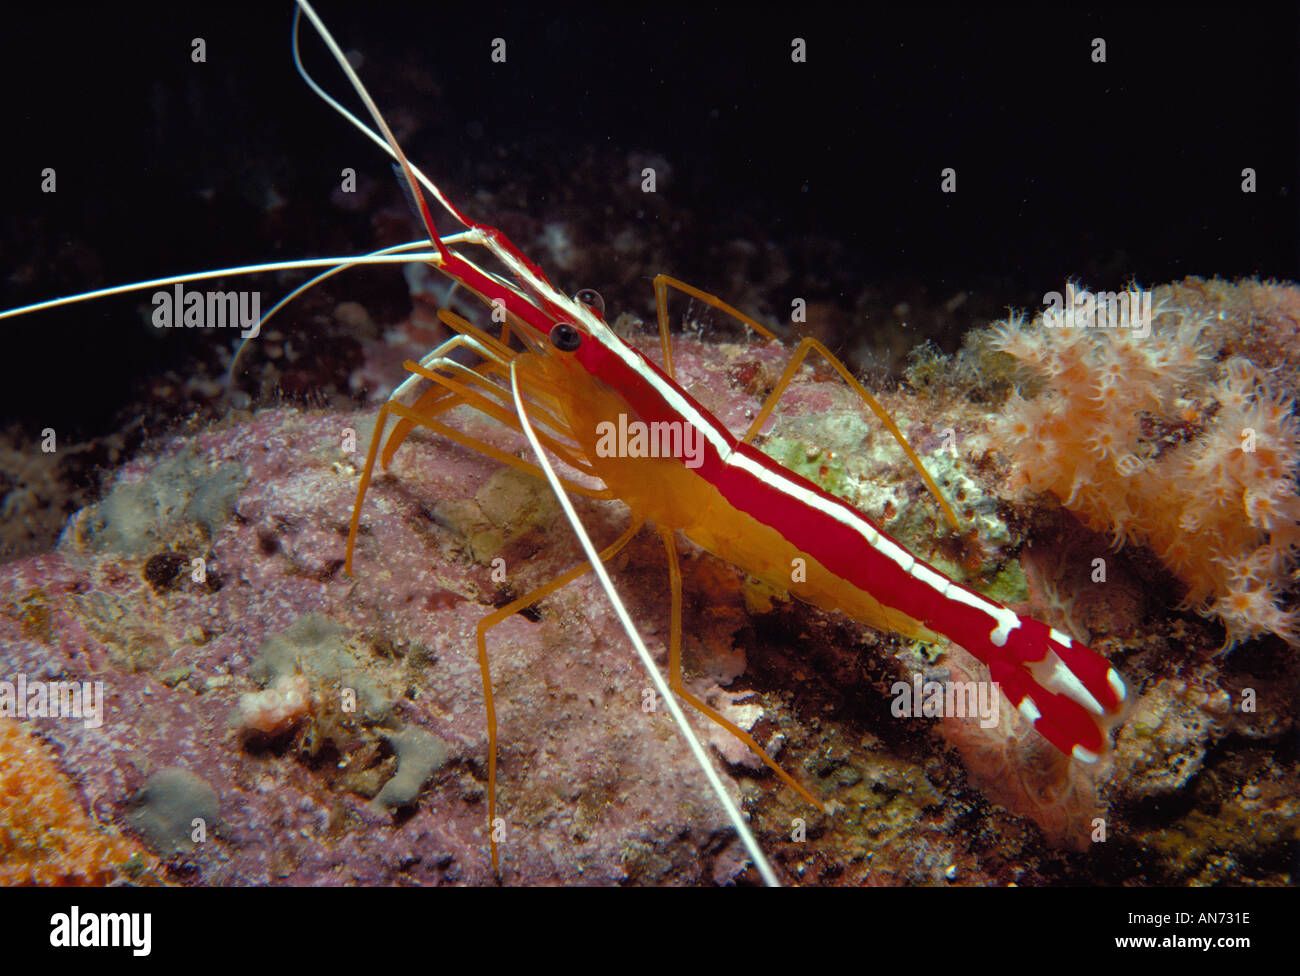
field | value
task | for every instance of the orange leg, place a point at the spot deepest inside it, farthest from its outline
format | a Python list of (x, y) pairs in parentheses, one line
[(507, 417), (416, 419), (443, 396), (465, 327), (675, 674), (447, 394), (494, 618), (808, 344), (486, 347), (497, 356), (663, 283)]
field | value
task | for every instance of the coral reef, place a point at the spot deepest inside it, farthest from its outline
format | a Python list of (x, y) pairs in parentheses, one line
[(1167, 735), (330, 729), (208, 676), (1177, 440)]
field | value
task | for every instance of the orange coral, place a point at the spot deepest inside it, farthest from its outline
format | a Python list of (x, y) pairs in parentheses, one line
[(1152, 440), (46, 838)]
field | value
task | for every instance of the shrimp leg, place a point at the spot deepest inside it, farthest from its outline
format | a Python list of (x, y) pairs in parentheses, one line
[(411, 417), (661, 285), (679, 686), (504, 613), (807, 344)]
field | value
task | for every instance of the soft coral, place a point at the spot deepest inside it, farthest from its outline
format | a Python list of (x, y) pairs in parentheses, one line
[(1218, 505)]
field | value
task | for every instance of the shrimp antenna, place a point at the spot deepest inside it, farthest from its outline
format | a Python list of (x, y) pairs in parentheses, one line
[(733, 812), (387, 142)]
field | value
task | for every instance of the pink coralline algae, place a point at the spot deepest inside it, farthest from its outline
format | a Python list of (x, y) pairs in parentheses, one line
[(299, 695)]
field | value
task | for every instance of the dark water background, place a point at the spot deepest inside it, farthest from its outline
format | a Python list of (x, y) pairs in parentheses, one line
[(1065, 168)]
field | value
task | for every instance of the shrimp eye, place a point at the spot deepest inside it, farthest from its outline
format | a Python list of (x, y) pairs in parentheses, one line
[(565, 337), (591, 298)]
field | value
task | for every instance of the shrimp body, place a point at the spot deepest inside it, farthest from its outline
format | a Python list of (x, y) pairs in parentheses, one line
[(577, 380), (743, 507)]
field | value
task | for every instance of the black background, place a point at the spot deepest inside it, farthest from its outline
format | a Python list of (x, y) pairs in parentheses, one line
[(1065, 168)]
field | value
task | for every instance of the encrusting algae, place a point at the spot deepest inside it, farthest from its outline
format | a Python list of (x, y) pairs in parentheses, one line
[(46, 837)]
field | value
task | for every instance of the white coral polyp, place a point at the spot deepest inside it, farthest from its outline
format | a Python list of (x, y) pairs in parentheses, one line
[(278, 708)]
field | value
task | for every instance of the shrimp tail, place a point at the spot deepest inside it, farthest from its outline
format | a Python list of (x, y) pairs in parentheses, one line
[(1070, 693)]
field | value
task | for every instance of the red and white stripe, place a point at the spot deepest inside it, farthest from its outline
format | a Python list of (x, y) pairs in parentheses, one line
[(1069, 692)]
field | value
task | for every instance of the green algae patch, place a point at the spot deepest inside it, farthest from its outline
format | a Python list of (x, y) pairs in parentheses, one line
[(1008, 585), (183, 500), (419, 755), (176, 809), (822, 466), (509, 507), (134, 643), (320, 649)]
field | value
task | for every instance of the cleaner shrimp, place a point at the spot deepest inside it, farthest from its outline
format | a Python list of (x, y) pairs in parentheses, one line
[(557, 374)]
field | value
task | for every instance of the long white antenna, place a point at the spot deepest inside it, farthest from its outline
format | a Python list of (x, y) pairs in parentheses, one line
[(733, 812), (369, 133), (340, 263)]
